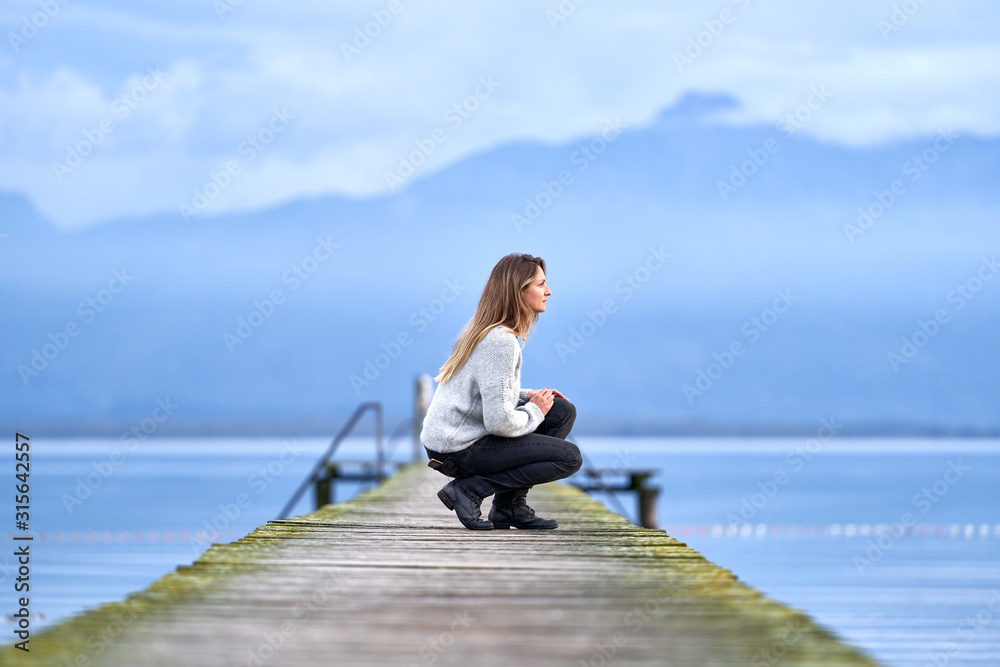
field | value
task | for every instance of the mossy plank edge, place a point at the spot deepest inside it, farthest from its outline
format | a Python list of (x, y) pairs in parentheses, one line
[(649, 557), (64, 641), (83, 633)]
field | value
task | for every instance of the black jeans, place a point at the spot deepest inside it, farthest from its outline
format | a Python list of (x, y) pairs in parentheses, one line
[(505, 466)]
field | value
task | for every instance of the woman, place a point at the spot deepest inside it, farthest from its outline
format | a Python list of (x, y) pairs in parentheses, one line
[(484, 430)]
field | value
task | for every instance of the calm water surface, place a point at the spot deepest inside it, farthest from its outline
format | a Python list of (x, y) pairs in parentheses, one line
[(809, 524)]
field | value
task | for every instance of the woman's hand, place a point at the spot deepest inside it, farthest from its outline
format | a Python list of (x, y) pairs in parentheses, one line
[(555, 392), (542, 398)]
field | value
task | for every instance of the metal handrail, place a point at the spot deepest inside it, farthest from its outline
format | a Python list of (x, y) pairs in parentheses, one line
[(405, 426), (374, 405), (603, 487)]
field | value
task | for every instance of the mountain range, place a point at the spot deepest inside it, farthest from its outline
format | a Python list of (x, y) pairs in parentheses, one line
[(706, 277)]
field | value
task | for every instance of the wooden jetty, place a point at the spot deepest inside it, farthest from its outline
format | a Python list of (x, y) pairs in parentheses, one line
[(392, 578)]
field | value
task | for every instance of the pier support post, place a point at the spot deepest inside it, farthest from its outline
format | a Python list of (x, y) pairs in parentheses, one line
[(647, 495), (423, 389), (324, 490)]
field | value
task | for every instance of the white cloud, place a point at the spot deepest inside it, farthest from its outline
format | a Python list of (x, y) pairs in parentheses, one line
[(353, 119)]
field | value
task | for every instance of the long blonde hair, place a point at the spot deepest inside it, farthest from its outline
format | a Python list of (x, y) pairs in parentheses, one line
[(500, 303)]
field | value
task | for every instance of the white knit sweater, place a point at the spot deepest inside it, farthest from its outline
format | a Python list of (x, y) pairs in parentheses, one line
[(484, 396)]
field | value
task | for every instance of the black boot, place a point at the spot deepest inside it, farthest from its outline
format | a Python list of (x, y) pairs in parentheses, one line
[(457, 496), (510, 509)]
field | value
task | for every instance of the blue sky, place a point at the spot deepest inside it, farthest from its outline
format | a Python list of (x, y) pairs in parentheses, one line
[(80, 73)]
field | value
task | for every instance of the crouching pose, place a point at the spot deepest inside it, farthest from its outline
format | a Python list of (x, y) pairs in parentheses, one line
[(481, 427)]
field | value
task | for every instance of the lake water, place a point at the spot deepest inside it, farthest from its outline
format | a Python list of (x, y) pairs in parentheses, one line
[(892, 544)]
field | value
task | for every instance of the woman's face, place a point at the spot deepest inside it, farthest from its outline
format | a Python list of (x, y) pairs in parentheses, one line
[(536, 293)]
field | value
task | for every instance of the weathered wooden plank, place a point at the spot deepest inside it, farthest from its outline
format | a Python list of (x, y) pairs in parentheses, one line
[(392, 577)]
